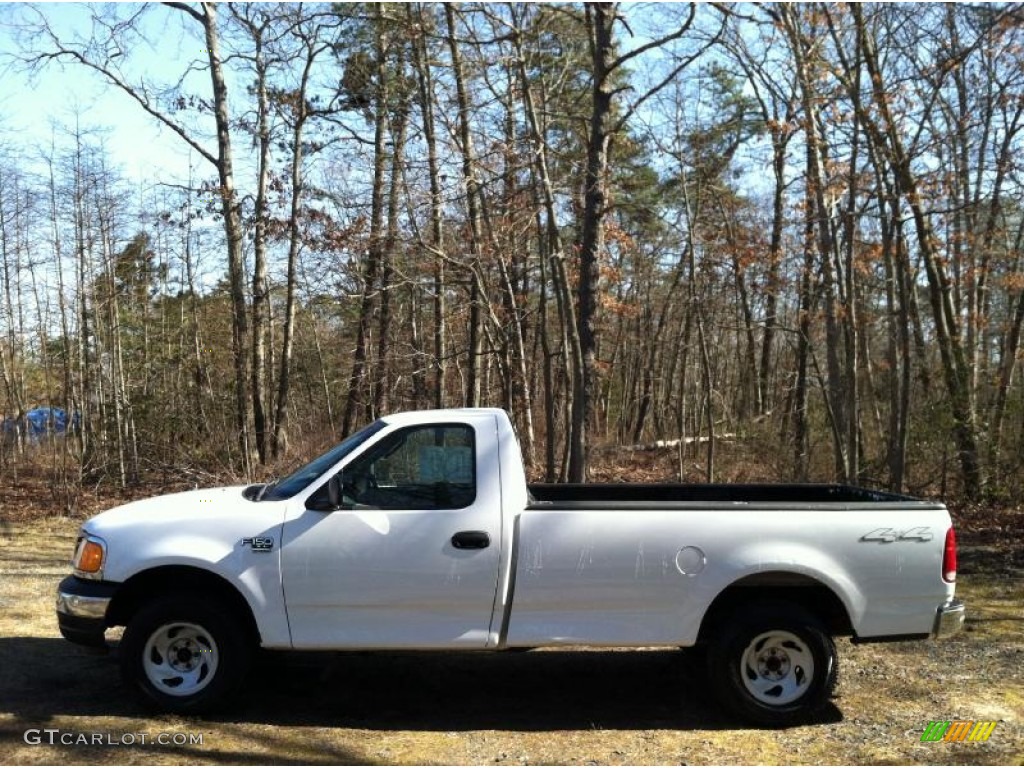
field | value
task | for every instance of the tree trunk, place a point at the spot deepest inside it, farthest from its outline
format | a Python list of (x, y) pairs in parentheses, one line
[(425, 86), (954, 361), (601, 19), (356, 384), (382, 387), (553, 254), (477, 294), (230, 210), (300, 115), (260, 288), (820, 231)]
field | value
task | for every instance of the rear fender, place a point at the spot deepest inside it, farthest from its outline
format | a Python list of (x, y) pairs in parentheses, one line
[(773, 568)]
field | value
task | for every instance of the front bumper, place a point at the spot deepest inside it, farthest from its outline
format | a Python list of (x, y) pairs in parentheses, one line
[(82, 610), (949, 619)]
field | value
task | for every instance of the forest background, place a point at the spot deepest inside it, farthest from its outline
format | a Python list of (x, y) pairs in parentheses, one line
[(783, 240)]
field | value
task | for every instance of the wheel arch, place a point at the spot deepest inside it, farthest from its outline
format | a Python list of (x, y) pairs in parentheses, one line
[(147, 585), (810, 594)]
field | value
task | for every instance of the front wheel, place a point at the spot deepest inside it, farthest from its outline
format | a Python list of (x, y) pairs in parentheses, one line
[(773, 665), (185, 654)]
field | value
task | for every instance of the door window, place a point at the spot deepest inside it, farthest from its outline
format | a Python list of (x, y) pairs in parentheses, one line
[(429, 467)]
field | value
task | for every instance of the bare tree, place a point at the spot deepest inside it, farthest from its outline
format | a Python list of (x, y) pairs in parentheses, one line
[(604, 124), (100, 55)]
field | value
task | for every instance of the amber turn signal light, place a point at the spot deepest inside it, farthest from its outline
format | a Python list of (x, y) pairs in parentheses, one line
[(90, 560)]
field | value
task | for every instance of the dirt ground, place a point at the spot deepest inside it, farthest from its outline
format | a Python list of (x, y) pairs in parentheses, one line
[(575, 706)]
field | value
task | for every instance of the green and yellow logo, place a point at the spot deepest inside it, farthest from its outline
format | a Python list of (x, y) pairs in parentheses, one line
[(958, 730)]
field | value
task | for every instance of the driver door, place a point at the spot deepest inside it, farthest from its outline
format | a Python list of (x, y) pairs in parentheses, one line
[(411, 560)]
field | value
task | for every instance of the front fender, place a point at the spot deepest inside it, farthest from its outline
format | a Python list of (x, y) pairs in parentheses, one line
[(254, 574)]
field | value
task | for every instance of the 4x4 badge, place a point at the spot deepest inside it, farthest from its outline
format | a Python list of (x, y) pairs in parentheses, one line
[(889, 535), (259, 543)]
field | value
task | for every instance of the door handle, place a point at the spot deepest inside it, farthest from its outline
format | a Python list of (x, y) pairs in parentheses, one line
[(471, 540)]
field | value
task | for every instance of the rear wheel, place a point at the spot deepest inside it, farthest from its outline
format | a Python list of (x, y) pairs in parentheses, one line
[(184, 654), (773, 665)]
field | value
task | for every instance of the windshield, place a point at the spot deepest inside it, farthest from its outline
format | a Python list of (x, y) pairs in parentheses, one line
[(301, 478)]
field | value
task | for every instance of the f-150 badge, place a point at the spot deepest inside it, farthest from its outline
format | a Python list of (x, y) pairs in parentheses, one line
[(259, 543), (889, 535)]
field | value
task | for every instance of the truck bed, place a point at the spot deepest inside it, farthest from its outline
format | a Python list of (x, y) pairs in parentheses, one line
[(653, 556), (686, 495)]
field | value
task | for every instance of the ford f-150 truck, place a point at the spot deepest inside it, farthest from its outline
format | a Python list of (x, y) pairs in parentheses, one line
[(420, 532)]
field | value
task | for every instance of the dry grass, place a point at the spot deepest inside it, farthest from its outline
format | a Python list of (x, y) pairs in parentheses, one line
[(573, 706)]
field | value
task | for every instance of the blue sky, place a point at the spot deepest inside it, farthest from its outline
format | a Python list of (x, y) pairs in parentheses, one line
[(32, 107), (37, 108)]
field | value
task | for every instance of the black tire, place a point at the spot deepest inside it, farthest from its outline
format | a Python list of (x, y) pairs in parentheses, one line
[(772, 664), (185, 654)]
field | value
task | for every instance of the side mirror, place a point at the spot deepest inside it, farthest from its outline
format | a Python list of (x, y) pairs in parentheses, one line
[(334, 491)]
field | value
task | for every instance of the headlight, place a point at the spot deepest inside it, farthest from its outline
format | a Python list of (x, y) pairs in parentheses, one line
[(90, 555)]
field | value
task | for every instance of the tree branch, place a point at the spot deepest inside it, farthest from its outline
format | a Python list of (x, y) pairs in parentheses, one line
[(665, 81), (655, 43), (142, 102), (200, 17)]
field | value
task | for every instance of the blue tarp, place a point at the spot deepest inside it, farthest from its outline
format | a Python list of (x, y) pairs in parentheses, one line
[(41, 421)]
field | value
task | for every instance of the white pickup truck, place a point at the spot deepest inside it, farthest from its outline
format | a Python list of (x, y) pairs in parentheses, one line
[(420, 532)]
